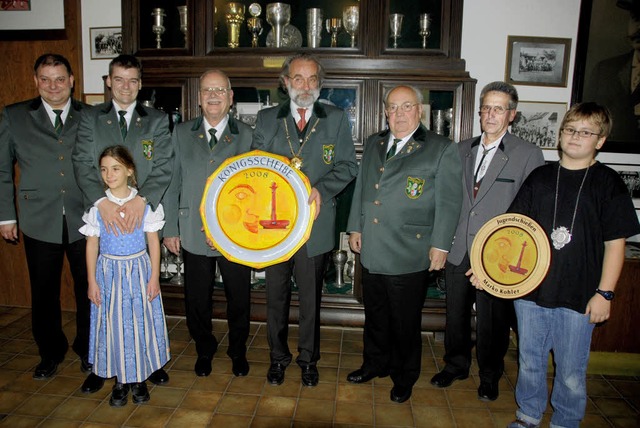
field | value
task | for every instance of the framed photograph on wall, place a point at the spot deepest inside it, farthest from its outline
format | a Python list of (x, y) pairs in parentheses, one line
[(106, 42), (537, 61), (539, 122)]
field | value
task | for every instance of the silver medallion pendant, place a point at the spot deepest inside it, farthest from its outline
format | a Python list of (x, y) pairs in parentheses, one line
[(560, 236)]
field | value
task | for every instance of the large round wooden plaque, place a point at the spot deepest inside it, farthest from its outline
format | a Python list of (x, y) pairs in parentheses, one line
[(510, 255), (255, 209)]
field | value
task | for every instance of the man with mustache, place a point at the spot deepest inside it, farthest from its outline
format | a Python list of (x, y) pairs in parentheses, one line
[(317, 139), (200, 146)]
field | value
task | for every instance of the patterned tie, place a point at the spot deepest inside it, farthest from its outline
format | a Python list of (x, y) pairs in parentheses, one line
[(303, 121), (479, 174), (58, 123), (123, 124), (394, 147), (214, 140)]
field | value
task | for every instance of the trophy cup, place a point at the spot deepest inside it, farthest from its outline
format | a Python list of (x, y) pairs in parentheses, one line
[(333, 25), (278, 15), (339, 258), (178, 278), (395, 25), (425, 28), (254, 24), (314, 27), (448, 118), (184, 23), (438, 121), (350, 270), (234, 16), (350, 18), (158, 19), (165, 255)]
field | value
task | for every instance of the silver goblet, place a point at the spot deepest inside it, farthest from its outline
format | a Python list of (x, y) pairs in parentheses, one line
[(158, 28), (438, 121), (278, 16), (333, 25), (395, 27), (350, 19), (350, 270), (425, 28), (448, 119), (184, 23), (339, 258), (314, 27), (165, 255), (178, 278)]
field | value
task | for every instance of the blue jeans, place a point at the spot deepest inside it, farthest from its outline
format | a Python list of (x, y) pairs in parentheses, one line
[(568, 334)]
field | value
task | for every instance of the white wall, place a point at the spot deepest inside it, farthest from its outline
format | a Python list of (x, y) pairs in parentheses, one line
[(96, 13)]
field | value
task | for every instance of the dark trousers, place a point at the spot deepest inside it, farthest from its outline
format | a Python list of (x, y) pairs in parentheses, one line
[(45, 261), (494, 317), (199, 277), (392, 324), (308, 274)]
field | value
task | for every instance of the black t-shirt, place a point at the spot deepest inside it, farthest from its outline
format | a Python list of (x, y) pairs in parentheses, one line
[(605, 212)]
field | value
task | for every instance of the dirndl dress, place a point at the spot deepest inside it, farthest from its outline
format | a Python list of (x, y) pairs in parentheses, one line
[(128, 337)]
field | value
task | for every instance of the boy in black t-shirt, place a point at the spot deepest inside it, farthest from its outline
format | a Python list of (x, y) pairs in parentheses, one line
[(585, 208)]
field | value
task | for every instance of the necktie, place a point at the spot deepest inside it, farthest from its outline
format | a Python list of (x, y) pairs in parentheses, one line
[(214, 140), (123, 123), (58, 123), (479, 174), (394, 147), (303, 120)]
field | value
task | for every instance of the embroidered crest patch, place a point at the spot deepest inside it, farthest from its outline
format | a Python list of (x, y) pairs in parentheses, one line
[(328, 153), (414, 187), (147, 149)]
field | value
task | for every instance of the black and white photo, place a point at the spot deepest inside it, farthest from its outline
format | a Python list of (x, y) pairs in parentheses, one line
[(539, 122), (106, 42), (537, 61)]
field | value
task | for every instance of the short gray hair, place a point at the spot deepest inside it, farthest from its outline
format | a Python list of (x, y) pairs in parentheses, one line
[(415, 90), (304, 56), (503, 87)]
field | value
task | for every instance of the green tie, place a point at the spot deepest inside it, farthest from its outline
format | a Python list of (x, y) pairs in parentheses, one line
[(214, 140), (392, 150), (123, 123), (58, 123)]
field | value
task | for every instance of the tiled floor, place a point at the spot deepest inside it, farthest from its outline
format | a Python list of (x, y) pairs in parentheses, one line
[(222, 400)]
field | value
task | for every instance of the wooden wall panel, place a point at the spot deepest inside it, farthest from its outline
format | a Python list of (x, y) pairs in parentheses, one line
[(20, 50)]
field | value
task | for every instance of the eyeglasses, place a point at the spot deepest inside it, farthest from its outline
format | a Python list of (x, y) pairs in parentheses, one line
[(498, 110), (570, 132), (217, 91), (300, 81), (406, 107)]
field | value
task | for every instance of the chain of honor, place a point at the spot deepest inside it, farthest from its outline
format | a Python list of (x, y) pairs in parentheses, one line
[(296, 160), (561, 236)]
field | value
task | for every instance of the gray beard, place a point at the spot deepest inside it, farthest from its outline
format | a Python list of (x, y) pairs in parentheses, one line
[(305, 101)]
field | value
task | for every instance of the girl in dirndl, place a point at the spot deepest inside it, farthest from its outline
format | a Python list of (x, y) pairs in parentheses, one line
[(128, 338)]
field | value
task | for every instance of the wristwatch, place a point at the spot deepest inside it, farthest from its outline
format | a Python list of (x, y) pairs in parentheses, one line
[(606, 294)]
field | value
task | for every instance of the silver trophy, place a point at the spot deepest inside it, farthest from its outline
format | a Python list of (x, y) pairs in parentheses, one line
[(254, 24), (333, 25), (350, 270), (350, 19), (314, 27), (178, 278), (425, 28), (234, 15), (339, 258), (448, 119), (158, 28), (438, 121), (395, 27), (165, 257), (184, 23), (278, 16)]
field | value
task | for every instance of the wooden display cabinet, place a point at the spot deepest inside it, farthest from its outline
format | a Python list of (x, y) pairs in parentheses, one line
[(356, 77)]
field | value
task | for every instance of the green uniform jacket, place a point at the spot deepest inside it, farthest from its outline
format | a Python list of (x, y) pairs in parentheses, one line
[(148, 139), (408, 204), (194, 162), (47, 183), (328, 157)]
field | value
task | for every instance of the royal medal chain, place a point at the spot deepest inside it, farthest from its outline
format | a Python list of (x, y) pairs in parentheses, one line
[(561, 236), (296, 160)]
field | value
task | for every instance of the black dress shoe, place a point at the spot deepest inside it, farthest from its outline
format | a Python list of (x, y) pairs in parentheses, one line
[(240, 366), (140, 393), (445, 378), (275, 375), (159, 377), (310, 375), (203, 366), (119, 395), (400, 394), (85, 365), (45, 369), (362, 376), (92, 383), (488, 391)]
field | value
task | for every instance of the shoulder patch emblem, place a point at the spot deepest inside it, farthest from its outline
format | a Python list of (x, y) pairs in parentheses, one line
[(328, 153), (147, 149), (414, 187)]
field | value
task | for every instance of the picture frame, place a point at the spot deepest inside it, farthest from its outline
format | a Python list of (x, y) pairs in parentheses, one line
[(106, 42), (539, 122), (29, 20), (15, 5), (93, 99), (630, 174), (602, 70), (537, 61)]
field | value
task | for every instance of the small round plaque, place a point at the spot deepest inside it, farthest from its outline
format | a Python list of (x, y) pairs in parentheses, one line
[(255, 9), (255, 209), (510, 255)]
